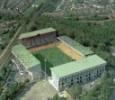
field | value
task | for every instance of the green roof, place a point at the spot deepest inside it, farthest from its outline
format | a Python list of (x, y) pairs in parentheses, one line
[(78, 66), (24, 56), (77, 46), (35, 33)]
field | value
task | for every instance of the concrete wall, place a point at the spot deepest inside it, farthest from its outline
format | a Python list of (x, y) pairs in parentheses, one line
[(55, 80)]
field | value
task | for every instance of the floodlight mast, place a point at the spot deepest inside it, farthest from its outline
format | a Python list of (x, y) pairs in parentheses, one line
[(45, 68)]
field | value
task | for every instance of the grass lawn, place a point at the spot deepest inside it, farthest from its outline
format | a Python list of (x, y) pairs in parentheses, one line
[(54, 57)]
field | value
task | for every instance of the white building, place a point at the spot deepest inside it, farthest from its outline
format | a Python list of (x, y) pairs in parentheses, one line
[(77, 72)]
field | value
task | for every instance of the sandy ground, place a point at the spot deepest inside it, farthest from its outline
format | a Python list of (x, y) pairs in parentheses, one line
[(43, 47), (68, 51)]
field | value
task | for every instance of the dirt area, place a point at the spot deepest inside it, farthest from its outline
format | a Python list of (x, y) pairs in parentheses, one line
[(68, 51), (43, 47), (39, 91)]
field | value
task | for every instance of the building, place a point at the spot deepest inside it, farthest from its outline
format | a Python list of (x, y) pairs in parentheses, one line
[(25, 62), (75, 46), (77, 72), (38, 38)]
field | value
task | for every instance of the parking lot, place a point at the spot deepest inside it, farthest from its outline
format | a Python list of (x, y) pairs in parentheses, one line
[(39, 91)]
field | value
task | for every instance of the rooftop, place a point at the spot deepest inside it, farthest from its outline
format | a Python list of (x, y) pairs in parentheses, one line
[(77, 46), (24, 56), (78, 66), (37, 32)]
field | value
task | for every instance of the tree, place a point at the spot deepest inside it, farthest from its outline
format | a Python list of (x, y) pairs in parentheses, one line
[(72, 35), (111, 62), (75, 91), (103, 2), (80, 1), (3, 96)]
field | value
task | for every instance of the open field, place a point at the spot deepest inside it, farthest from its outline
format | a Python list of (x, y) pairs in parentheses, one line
[(39, 91), (52, 57)]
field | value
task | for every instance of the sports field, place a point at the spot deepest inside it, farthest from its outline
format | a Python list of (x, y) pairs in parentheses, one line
[(51, 57)]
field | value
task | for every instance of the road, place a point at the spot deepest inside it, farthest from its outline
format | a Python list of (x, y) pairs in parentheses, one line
[(6, 53)]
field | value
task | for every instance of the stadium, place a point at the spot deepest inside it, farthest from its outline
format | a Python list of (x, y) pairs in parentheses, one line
[(60, 59)]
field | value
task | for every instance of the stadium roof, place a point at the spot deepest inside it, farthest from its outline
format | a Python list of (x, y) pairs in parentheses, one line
[(35, 33), (76, 46), (24, 56), (77, 66)]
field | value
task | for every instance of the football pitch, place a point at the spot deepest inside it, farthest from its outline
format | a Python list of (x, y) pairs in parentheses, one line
[(52, 57)]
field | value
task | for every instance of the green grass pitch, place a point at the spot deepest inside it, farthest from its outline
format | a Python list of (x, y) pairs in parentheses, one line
[(52, 57)]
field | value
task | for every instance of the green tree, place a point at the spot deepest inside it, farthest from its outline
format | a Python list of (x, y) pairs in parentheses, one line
[(75, 91)]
